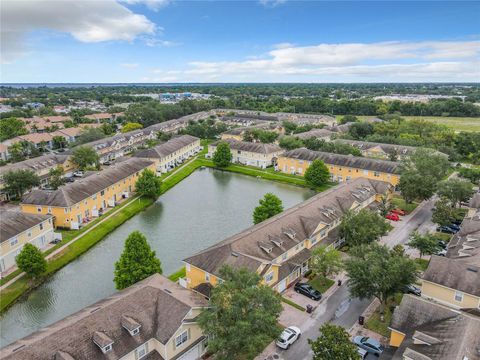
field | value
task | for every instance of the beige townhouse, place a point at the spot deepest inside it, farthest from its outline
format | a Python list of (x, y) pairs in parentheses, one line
[(18, 229), (249, 153), (153, 319)]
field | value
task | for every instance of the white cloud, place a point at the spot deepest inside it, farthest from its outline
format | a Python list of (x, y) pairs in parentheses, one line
[(384, 61), (129, 65), (272, 3), (154, 5), (154, 42), (86, 21)]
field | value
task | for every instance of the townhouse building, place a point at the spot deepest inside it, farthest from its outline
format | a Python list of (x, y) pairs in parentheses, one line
[(426, 330), (101, 117), (69, 134), (341, 167), (153, 319), (238, 132), (322, 134), (248, 153), (172, 153), (380, 150), (74, 204), (39, 140), (279, 248), (18, 229), (454, 279)]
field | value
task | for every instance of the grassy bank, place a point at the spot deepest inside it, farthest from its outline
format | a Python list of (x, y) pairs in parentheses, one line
[(321, 283), (398, 202), (73, 251), (375, 324)]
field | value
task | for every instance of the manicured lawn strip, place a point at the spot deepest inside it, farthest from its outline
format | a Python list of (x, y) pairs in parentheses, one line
[(294, 304), (398, 202), (381, 327), (422, 264), (321, 283), (180, 273), (73, 251)]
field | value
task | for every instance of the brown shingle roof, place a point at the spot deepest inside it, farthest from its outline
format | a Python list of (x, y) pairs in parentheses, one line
[(35, 164), (167, 148), (158, 304), (250, 146), (70, 194), (357, 162), (13, 223), (315, 133)]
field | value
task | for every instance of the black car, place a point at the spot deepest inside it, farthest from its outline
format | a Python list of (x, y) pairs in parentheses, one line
[(446, 230), (454, 227), (412, 289), (443, 244), (308, 291)]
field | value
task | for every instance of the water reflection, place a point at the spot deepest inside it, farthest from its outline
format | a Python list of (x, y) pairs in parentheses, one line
[(203, 209)]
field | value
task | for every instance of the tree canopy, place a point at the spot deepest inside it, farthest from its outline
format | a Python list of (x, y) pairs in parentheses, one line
[(19, 181), (317, 174), (333, 343), (131, 126), (31, 261), (148, 184), (426, 244), (455, 190), (137, 261), (362, 227), (85, 156), (326, 261), (243, 315), (269, 206), (222, 157), (11, 127)]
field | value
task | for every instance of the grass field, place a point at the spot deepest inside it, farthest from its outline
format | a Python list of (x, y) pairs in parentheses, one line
[(455, 123), (375, 324), (321, 283)]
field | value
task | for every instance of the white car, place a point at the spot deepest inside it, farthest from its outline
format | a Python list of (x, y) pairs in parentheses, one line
[(288, 337), (78, 173), (362, 353)]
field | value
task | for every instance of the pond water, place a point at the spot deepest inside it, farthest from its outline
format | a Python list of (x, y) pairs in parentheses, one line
[(203, 209)]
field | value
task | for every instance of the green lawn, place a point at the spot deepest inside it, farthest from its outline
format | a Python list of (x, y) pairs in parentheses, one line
[(455, 123), (294, 304), (398, 202), (321, 283), (381, 327), (422, 264), (180, 273)]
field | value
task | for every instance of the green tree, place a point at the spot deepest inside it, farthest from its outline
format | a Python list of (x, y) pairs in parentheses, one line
[(455, 190), (222, 157), (137, 262), (443, 213), (85, 156), (326, 261), (11, 127), (362, 227), (374, 270), (55, 179), (317, 174), (269, 206), (348, 119), (425, 244), (243, 315), (472, 174), (131, 126), (19, 181), (290, 143), (333, 344), (148, 184), (59, 142), (88, 135), (385, 206), (360, 130), (31, 261)]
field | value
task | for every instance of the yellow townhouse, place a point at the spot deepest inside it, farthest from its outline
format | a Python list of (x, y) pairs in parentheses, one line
[(426, 330), (341, 167), (380, 150), (153, 319), (249, 153), (279, 248), (18, 229), (76, 203), (454, 279), (172, 153)]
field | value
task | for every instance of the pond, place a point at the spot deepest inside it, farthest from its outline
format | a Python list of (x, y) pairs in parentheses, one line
[(203, 209)]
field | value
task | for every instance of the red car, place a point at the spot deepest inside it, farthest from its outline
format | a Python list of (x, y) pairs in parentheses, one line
[(398, 212), (393, 217)]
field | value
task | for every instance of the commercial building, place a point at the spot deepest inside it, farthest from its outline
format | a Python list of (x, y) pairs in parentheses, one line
[(76, 203), (18, 229), (249, 153), (279, 248), (341, 167), (170, 154), (153, 319)]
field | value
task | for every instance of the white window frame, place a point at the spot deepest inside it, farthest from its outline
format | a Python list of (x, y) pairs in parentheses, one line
[(183, 339), (142, 348), (207, 277), (269, 277), (14, 241), (458, 294)]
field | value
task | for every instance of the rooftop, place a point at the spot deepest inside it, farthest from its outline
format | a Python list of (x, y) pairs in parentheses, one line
[(13, 223), (251, 146), (167, 148)]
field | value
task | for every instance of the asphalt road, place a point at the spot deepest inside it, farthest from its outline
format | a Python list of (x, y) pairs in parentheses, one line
[(339, 308)]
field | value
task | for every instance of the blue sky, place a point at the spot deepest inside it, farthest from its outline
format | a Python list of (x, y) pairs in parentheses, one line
[(239, 41)]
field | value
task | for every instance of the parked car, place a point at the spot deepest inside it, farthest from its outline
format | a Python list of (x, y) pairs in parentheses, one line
[(443, 244), (393, 217), (412, 289), (457, 221), (446, 229), (362, 353), (454, 227), (367, 343), (107, 163), (288, 337), (398, 212), (441, 252), (69, 179), (308, 291), (78, 173)]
